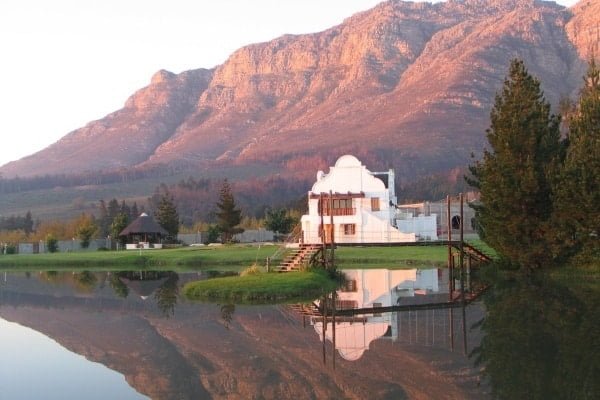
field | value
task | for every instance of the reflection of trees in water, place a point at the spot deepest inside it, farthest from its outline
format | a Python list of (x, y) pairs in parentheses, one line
[(118, 286), (541, 339), (227, 311), (166, 294), (84, 281)]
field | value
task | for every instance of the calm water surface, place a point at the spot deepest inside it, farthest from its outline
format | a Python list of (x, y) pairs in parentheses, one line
[(129, 335)]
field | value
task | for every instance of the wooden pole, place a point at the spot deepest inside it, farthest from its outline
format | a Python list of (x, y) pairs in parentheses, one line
[(462, 274), (323, 241), (331, 238), (324, 329), (333, 296), (449, 223), (461, 256), (451, 312)]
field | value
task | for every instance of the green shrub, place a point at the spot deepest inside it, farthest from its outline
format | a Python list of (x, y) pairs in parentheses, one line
[(51, 243), (10, 249)]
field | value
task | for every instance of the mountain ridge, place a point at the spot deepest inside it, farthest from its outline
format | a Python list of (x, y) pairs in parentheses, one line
[(405, 85)]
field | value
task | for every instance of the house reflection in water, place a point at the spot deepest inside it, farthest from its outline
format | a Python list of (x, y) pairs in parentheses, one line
[(379, 288)]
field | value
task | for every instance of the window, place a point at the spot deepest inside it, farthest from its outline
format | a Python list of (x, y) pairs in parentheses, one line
[(349, 229), (456, 222), (349, 286), (374, 203), (340, 206)]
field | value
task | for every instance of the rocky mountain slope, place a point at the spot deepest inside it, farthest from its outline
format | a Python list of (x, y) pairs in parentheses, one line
[(404, 84)]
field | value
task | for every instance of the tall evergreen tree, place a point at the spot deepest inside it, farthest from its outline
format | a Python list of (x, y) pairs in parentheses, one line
[(134, 211), (167, 216), (577, 203), (125, 209), (514, 175), (28, 223), (104, 220), (113, 209), (228, 215)]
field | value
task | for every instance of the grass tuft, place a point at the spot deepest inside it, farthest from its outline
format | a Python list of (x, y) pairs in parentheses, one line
[(262, 287)]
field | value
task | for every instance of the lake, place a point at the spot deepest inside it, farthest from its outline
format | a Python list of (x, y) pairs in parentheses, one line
[(129, 335)]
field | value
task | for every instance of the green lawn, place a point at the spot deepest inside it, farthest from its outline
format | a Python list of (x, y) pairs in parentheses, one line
[(262, 287), (233, 257), (391, 257), (223, 257)]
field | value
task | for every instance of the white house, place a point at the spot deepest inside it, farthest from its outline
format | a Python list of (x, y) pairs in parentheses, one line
[(362, 206)]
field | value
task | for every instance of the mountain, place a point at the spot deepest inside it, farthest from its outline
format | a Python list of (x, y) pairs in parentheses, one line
[(407, 85)]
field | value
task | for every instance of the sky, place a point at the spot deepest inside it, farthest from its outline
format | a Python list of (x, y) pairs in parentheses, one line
[(68, 62)]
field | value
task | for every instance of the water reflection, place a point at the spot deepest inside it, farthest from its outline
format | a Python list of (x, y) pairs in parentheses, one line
[(217, 351), (392, 334), (414, 305), (541, 338)]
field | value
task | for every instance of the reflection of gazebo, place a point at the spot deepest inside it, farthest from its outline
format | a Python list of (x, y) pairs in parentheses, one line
[(143, 232), (144, 288)]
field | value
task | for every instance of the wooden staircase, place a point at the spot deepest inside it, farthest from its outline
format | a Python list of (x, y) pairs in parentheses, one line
[(473, 252), (298, 258)]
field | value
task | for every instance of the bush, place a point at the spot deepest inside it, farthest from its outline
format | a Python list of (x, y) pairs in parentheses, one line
[(10, 249), (213, 234), (51, 243)]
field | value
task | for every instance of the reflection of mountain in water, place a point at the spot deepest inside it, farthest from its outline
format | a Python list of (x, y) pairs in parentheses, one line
[(264, 354)]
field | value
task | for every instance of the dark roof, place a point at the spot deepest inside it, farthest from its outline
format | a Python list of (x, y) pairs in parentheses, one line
[(143, 224)]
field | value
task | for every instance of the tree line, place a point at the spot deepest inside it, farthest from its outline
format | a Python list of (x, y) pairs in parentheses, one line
[(24, 184), (540, 190)]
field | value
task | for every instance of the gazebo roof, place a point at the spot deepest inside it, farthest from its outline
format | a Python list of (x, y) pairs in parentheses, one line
[(143, 224)]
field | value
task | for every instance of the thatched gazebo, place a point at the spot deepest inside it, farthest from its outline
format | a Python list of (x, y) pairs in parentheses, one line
[(144, 232)]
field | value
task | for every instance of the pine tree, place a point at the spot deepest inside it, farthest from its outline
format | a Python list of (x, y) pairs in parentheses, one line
[(167, 216), (28, 223), (104, 220), (125, 209), (514, 177), (577, 204), (228, 215), (113, 208), (134, 211)]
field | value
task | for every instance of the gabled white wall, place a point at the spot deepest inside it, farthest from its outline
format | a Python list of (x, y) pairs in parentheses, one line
[(349, 176)]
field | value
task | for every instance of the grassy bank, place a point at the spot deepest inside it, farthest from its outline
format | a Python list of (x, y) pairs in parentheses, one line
[(223, 257), (234, 257), (262, 287)]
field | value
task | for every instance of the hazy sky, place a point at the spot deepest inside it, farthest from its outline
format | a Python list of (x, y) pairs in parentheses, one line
[(68, 62)]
